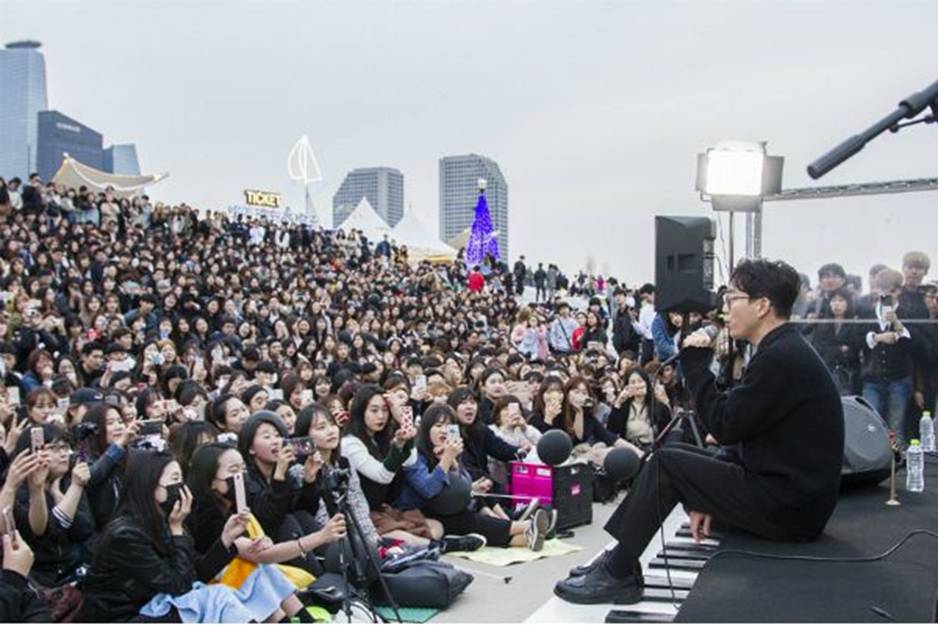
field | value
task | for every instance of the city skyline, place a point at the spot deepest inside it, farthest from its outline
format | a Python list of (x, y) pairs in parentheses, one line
[(595, 111)]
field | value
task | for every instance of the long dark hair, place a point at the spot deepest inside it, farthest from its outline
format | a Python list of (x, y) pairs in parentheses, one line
[(202, 471), (305, 420), (246, 436), (568, 410), (184, 440), (144, 470), (97, 414), (378, 443), (550, 381), (433, 415), (649, 390), (457, 396)]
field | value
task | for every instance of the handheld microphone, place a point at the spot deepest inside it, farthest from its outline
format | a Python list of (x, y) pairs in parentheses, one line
[(711, 331)]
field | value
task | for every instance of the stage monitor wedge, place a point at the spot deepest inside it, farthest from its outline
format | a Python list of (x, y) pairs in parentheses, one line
[(684, 263)]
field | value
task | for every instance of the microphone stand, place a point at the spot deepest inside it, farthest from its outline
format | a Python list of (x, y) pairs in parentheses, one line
[(908, 109)]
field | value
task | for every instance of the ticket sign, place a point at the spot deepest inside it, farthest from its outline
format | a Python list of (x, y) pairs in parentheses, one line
[(267, 199)]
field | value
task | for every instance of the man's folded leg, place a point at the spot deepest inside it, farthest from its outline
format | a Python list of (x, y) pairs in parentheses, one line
[(670, 476)]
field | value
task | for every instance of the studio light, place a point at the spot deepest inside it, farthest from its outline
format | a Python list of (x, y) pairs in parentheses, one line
[(736, 175)]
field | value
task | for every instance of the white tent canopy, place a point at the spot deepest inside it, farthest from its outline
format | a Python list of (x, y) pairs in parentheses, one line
[(411, 231), (365, 218), (75, 174)]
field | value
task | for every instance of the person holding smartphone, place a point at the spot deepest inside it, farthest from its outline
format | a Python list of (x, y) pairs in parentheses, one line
[(887, 355), (213, 481), (145, 566), (106, 451), (632, 417), (18, 604), (440, 486), (52, 511)]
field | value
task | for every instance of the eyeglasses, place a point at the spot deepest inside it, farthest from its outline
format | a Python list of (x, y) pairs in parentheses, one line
[(729, 298)]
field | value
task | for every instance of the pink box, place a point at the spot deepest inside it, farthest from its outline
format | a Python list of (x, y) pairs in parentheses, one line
[(532, 480)]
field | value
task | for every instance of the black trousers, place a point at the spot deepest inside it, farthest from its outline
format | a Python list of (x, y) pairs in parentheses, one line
[(692, 476)]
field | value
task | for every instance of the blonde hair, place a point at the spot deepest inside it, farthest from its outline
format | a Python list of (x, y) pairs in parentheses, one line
[(916, 259), (889, 280)]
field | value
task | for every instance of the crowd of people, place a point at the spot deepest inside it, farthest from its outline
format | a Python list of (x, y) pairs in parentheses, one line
[(156, 358)]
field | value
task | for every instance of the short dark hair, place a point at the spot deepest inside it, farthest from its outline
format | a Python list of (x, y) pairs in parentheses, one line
[(775, 280), (832, 269)]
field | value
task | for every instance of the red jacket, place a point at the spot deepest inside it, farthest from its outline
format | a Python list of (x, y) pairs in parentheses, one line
[(476, 281)]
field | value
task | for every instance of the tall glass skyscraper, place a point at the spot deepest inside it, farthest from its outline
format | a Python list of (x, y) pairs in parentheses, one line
[(459, 192), (384, 188), (22, 96)]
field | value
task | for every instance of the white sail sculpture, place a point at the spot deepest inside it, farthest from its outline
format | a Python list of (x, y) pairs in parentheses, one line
[(302, 166)]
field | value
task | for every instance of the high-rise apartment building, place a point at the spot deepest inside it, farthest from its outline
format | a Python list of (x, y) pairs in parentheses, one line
[(384, 188), (459, 193)]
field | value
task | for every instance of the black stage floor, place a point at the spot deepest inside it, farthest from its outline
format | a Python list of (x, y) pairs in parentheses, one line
[(902, 588)]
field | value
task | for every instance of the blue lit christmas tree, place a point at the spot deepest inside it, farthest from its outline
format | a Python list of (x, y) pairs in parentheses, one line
[(482, 241)]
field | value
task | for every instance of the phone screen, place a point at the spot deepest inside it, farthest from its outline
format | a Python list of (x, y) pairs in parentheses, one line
[(37, 438), (452, 432), (151, 426), (241, 502), (10, 522)]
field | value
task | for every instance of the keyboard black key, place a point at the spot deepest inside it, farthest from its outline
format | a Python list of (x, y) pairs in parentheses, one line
[(679, 564)]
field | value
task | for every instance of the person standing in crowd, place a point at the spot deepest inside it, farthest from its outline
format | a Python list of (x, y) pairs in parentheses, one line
[(552, 281), (476, 280), (624, 335), (540, 281), (887, 355), (915, 266), (646, 316), (520, 272), (838, 343)]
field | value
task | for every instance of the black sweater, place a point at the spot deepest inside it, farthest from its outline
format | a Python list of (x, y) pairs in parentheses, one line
[(786, 420)]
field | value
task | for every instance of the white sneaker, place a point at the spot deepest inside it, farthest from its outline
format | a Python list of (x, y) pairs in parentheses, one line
[(529, 509), (537, 530)]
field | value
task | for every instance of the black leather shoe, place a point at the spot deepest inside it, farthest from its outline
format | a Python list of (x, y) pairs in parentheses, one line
[(583, 569), (599, 586)]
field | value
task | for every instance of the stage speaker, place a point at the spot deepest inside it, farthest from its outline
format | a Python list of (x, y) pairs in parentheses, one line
[(684, 264), (867, 454)]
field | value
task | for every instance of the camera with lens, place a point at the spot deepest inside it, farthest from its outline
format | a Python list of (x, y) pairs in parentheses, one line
[(335, 481), (84, 431)]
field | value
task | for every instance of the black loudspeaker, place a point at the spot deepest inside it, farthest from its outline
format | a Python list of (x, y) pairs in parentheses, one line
[(867, 454), (684, 264)]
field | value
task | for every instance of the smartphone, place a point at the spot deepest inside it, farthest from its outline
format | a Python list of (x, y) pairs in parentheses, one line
[(302, 446), (275, 394), (13, 395), (306, 397), (37, 438), (514, 410), (10, 523), (227, 437), (241, 501), (420, 383), (452, 432), (61, 406), (149, 427)]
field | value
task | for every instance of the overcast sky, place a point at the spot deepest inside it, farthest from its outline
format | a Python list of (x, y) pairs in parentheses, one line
[(594, 110)]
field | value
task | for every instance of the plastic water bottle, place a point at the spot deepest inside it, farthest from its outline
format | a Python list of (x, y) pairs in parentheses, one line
[(915, 468), (926, 429)]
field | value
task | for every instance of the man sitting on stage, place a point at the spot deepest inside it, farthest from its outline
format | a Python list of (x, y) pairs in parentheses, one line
[(782, 423)]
